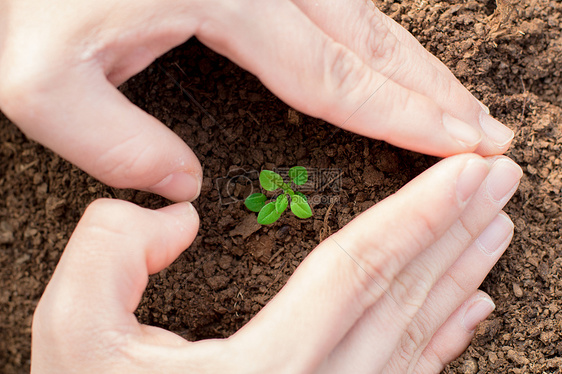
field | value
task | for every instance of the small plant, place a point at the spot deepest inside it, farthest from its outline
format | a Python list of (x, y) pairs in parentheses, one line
[(271, 181)]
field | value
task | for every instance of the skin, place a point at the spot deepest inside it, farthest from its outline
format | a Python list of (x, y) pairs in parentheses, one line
[(394, 291)]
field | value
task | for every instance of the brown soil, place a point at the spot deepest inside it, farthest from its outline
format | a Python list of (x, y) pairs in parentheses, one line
[(509, 55)]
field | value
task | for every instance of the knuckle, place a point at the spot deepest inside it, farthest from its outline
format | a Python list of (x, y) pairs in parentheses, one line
[(450, 88), (402, 100), (433, 359), (461, 234), (424, 232), (345, 75), (17, 95), (341, 67), (408, 347), (372, 268), (381, 43), (415, 337), (375, 278), (377, 263), (23, 84), (459, 288), (391, 107), (410, 289)]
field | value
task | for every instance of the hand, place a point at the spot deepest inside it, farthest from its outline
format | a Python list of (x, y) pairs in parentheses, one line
[(339, 60), (393, 291)]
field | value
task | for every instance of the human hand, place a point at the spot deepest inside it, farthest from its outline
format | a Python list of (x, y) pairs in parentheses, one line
[(394, 291), (342, 61)]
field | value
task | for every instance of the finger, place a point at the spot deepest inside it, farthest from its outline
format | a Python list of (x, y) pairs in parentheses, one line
[(87, 308), (459, 282), (455, 335), (390, 50), (394, 313), (58, 91), (317, 75), (90, 123), (156, 238), (350, 271)]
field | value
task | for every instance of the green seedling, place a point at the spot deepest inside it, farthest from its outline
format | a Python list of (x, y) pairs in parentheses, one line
[(271, 181)]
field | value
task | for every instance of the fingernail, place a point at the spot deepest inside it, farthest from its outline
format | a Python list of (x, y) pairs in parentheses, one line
[(178, 186), (495, 130), (467, 135), (471, 177), (180, 209), (484, 107), (494, 237), (477, 312), (503, 179)]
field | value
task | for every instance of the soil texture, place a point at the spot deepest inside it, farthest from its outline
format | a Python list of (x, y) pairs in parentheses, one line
[(508, 53)]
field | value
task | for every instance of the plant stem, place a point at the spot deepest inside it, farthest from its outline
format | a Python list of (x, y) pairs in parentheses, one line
[(287, 189)]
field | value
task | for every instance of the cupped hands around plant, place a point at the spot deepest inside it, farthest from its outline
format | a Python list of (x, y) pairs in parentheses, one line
[(271, 181)]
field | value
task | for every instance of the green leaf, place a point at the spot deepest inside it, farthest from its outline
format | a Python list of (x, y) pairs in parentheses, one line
[(270, 181), (281, 203), (300, 207), (298, 175), (302, 195), (255, 202), (268, 214)]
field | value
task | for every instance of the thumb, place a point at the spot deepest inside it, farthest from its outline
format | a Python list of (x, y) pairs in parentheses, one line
[(91, 124), (87, 308)]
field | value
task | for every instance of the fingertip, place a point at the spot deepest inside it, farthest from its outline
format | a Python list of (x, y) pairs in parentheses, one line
[(178, 186), (498, 136), (468, 136), (117, 142), (179, 227), (476, 309), (483, 106), (186, 219), (455, 334), (495, 238), (471, 177), (184, 210)]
